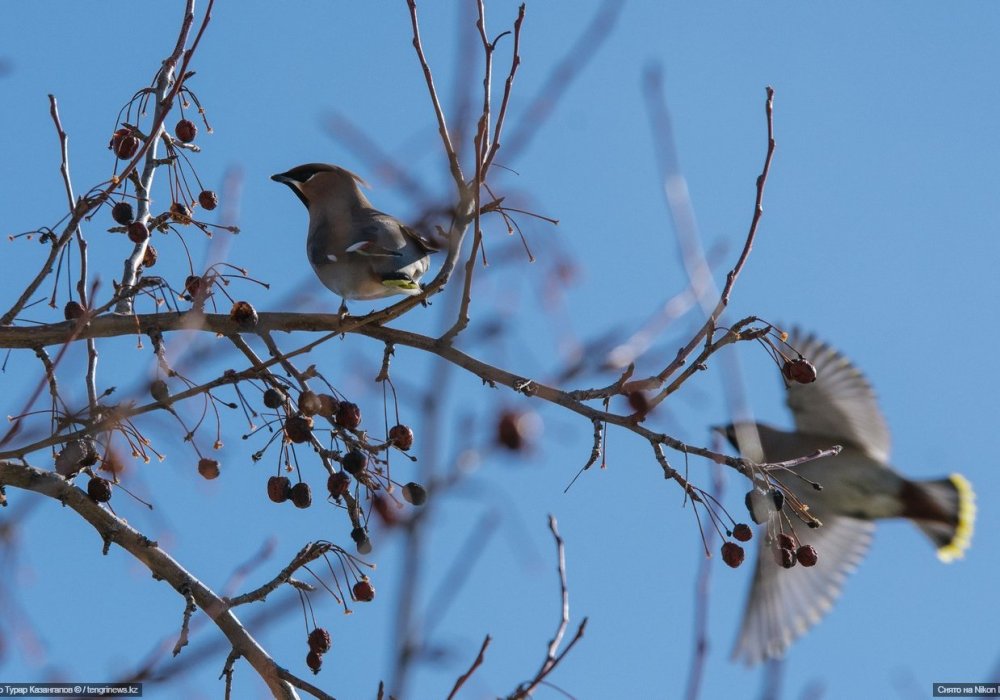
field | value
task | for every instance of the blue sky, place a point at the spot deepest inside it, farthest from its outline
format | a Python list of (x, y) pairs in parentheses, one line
[(879, 233)]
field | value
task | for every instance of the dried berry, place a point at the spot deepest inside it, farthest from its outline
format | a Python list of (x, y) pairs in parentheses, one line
[(186, 130), (806, 554), (208, 468), (785, 541), (193, 285), (279, 488), (328, 405), (137, 232), (76, 455), (348, 415), (274, 398), (72, 310), (785, 557), (158, 390), (732, 554), (338, 484), (401, 436), (99, 489), (508, 431), (319, 641), (180, 213), (355, 461), (314, 661), (123, 213), (208, 200), (639, 402), (742, 532), (124, 143), (302, 495), (298, 428), (309, 403), (149, 257), (244, 315), (800, 370), (364, 591), (414, 493)]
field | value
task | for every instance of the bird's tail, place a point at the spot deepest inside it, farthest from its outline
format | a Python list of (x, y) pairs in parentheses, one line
[(945, 510)]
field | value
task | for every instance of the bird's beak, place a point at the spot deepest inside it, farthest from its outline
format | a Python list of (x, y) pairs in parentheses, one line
[(282, 178), (293, 184)]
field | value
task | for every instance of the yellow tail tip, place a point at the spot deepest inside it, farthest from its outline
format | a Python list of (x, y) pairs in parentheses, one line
[(966, 521)]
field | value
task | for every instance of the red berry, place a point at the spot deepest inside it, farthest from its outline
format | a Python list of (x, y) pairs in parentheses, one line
[(800, 370), (385, 510), (124, 143), (401, 436), (328, 405), (186, 130), (137, 232), (742, 532), (364, 591), (348, 415), (208, 200), (208, 468), (806, 554), (732, 554), (509, 432), (279, 488), (302, 495), (786, 541)]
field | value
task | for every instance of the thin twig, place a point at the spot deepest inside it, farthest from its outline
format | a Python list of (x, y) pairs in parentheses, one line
[(472, 669)]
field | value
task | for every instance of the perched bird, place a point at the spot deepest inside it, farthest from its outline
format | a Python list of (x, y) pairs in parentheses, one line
[(858, 487), (357, 251)]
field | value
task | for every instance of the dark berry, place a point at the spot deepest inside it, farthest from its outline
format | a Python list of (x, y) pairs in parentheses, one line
[(149, 257), (314, 661), (279, 488), (800, 370), (355, 462), (364, 591), (99, 489), (359, 535), (401, 436), (385, 509), (124, 143), (208, 200), (137, 232), (180, 213), (509, 431), (338, 484), (806, 554), (158, 390), (243, 315), (319, 641), (732, 554), (302, 495), (779, 499), (72, 310), (186, 130), (123, 213), (274, 398), (414, 493), (785, 541), (309, 403), (639, 403), (348, 415), (785, 556), (298, 428), (328, 405), (742, 532)]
